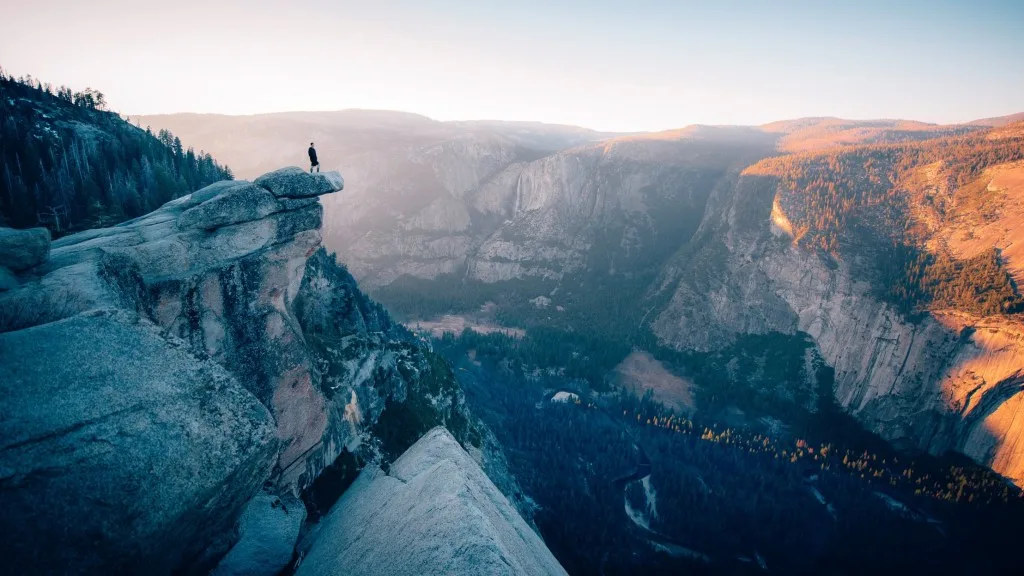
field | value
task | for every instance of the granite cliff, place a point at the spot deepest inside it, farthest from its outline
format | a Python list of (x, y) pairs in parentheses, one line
[(174, 387), (937, 378), (724, 249)]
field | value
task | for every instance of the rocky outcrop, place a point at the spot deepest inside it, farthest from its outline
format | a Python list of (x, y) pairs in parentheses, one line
[(218, 269), (154, 376), (294, 183), (433, 512), (171, 386)]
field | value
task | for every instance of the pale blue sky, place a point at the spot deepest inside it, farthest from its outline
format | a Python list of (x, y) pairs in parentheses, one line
[(614, 65)]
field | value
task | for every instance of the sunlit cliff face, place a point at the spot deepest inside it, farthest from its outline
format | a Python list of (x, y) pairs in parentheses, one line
[(984, 385), (950, 380)]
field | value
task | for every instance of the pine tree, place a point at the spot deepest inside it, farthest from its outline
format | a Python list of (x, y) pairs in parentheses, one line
[(61, 177)]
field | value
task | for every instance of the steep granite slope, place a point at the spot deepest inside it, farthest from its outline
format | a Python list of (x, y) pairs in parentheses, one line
[(615, 207), (433, 512), (420, 210)]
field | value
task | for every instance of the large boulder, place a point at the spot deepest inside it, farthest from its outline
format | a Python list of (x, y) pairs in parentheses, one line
[(23, 249), (295, 182), (434, 512), (120, 450)]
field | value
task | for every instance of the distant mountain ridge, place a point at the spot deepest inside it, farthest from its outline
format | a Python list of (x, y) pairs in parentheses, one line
[(999, 121), (253, 144), (344, 133)]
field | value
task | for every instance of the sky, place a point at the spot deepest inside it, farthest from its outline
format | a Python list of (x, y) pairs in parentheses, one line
[(605, 64)]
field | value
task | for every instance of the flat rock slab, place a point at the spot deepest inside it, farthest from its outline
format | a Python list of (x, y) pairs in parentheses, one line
[(120, 451), (236, 204), (23, 249), (293, 182)]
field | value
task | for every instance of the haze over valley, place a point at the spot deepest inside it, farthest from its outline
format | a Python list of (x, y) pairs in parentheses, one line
[(566, 288), (776, 273)]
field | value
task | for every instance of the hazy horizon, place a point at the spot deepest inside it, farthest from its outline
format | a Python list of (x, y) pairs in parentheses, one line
[(664, 129), (610, 66)]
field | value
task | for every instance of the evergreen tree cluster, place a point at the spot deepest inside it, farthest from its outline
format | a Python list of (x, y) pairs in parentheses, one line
[(69, 164), (815, 499), (979, 285)]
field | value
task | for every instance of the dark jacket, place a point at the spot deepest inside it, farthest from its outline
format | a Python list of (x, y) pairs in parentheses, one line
[(312, 156)]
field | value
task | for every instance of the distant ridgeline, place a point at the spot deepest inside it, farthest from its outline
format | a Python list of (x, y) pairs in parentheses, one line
[(70, 165)]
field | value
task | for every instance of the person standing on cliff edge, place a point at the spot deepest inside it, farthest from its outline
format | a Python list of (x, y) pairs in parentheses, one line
[(312, 159)]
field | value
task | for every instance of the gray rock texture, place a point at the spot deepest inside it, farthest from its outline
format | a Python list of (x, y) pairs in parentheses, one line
[(295, 182), (434, 512), (240, 203), (120, 450), (267, 532), (23, 249), (218, 269), (7, 280), (154, 377)]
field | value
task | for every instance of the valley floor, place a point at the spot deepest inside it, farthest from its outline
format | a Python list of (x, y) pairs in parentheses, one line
[(627, 484)]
